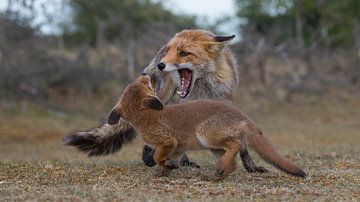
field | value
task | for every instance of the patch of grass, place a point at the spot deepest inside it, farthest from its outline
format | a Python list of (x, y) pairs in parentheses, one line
[(336, 179), (322, 138)]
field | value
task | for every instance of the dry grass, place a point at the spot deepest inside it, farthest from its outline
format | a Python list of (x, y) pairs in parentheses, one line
[(323, 138)]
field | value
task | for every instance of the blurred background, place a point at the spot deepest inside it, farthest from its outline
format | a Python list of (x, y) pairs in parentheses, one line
[(64, 63)]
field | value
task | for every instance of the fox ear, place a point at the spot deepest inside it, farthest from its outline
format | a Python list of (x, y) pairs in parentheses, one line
[(223, 38), (114, 116), (215, 47), (153, 103), (219, 43)]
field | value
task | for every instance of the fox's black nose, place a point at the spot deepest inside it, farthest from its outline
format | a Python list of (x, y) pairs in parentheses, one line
[(161, 66)]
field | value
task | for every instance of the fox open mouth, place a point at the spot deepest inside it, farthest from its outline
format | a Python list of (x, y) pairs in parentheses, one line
[(185, 79)]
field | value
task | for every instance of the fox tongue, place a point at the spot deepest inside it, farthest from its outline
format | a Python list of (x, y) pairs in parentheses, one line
[(185, 81)]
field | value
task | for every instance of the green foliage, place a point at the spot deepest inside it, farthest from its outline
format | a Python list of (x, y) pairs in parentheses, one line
[(122, 20), (340, 19), (329, 23)]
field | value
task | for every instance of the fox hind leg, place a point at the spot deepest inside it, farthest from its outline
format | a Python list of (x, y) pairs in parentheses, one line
[(246, 159), (248, 163), (227, 163)]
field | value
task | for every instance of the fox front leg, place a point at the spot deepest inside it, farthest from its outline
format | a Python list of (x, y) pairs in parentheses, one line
[(148, 158), (249, 164), (162, 156)]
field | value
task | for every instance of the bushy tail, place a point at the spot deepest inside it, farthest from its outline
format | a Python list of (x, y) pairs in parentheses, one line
[(103, 140), (264, 148)]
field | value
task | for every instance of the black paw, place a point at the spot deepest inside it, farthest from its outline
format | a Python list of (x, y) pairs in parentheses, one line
[(262, 170), (171, 164), (148, 156), (185, 162), (219, 173), (257, 170)]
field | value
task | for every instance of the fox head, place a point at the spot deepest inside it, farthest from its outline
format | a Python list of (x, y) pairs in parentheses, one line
[(193, 54), (136, 97)]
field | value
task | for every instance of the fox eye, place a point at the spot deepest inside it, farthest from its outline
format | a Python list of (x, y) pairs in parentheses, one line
[(184, 53)]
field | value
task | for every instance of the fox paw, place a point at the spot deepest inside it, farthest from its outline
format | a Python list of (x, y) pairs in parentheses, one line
[(171, 164), (185, 162), (220, 173), (148, 156), (257, 169)]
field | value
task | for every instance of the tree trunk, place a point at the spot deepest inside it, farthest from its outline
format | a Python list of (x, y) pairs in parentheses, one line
[(60, 42), (299, 24), (356, 74), (9, 6), (100, 30)]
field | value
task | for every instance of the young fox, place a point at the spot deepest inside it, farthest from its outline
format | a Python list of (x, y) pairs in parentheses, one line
[(198, 124)]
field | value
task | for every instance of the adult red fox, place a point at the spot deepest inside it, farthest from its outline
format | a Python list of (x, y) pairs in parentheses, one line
[(194, 64), (198, 124)]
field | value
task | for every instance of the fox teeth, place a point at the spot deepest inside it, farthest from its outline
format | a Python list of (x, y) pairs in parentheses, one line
[(181, 93)]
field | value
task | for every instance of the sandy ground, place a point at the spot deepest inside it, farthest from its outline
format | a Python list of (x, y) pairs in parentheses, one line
[(323, 138)]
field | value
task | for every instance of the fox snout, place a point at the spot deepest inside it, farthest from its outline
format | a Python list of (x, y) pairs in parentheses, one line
[(161, 66), (172, 67), (168, 67)]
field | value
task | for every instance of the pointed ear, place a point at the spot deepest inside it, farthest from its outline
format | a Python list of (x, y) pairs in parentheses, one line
[(223, 38), (215, 47), (114, 116), (219, 43), (153, 103)]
